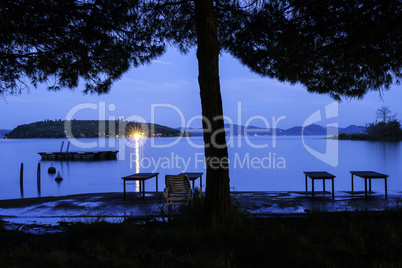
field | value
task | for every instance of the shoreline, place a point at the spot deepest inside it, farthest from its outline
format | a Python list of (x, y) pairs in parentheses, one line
[(55, 209)]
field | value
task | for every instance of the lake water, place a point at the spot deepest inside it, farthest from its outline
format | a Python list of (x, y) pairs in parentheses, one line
[(259, 163)]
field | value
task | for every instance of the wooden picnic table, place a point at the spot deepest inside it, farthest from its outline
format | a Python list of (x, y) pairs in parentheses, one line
[(192, 176), (369, 175), (142, 177), (320, 175)]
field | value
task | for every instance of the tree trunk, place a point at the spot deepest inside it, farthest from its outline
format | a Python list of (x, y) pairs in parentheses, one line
[(217, 194)]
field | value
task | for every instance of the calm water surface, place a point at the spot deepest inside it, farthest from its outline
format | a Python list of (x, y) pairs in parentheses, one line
[(257, 164)]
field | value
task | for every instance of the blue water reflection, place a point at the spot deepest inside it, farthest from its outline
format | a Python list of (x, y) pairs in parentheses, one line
[(259, 163)]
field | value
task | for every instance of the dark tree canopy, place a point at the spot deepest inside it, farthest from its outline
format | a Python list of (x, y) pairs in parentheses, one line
[(341, 47), (61, 42)]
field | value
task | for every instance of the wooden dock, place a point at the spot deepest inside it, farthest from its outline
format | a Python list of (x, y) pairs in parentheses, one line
[(71, 156)]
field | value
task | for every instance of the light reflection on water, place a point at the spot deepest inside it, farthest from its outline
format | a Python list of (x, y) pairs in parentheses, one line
[(272, 168)]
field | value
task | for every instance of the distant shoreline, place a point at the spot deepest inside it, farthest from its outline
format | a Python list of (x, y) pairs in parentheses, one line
[(363, 137), (90, 129)]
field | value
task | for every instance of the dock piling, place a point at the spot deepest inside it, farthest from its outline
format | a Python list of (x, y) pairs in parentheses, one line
[(61, 148), (22, 180), (38, 178), (68, 146)]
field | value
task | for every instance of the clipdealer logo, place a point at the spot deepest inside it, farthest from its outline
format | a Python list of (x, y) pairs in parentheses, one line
[(268, 161), (331, 154)]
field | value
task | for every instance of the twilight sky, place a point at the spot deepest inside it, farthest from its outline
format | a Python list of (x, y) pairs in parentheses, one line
[(166, 92)]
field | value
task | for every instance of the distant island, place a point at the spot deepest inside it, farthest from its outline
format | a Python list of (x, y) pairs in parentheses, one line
[(89, 129)]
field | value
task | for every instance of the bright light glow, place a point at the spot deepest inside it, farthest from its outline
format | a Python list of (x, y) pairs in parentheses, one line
[(137, 136), (136, 133)]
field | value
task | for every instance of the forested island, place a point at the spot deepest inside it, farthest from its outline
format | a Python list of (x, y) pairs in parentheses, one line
[(378, 131), (387, 129), (89, 129)]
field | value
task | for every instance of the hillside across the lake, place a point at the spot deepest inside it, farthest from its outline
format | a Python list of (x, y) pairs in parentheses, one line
[(239, 130), (96, 128)]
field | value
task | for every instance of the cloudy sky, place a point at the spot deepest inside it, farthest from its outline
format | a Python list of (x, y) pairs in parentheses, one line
[(166, 92)]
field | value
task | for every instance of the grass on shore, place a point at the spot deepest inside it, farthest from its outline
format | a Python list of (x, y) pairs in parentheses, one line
[(317, 240)]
